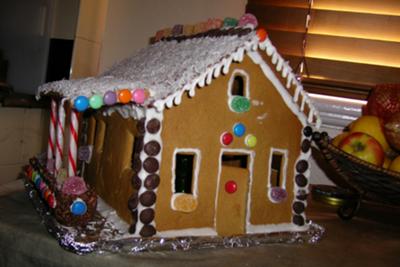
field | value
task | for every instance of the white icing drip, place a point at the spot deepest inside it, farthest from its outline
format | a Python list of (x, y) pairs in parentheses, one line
[(227, 64), (217, 70), (279, 65), (289, 80), (297, 92), (209, 76)]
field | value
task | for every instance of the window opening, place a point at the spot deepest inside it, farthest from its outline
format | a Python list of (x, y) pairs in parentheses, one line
[(184, 172), (238, 86), (239, 161), (276, 169)]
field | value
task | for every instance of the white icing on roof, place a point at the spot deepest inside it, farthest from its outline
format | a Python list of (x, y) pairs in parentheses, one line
[(163, 68), (167, 69)]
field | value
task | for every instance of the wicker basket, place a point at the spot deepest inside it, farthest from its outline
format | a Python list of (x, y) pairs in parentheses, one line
[(372, 183)]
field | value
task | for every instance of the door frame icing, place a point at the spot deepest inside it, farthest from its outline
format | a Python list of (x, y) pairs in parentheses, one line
[(251, 154)]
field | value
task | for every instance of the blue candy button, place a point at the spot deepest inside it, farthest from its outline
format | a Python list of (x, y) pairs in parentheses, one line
[(239, 129), (81, 103), (78, 207)]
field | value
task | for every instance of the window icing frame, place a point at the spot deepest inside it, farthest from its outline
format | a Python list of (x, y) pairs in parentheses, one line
[(283, 176)]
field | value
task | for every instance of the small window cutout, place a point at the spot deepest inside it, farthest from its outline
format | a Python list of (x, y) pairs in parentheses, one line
[(238, 86), (184, 173), (239, 161), (276, 169)]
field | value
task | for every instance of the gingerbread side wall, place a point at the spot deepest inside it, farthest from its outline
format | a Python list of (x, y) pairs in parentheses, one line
[(198, 122)]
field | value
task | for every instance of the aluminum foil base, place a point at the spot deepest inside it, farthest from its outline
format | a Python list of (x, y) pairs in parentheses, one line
[(100, 236)]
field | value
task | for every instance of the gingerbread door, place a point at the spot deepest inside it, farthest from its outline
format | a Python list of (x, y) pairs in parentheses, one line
[(232, 196)]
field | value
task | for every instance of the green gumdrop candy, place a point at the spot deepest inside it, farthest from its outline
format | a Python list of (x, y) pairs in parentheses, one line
[(230, 22), (240, 104)]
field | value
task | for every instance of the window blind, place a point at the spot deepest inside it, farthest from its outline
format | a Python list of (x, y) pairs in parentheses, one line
[(352, 45)]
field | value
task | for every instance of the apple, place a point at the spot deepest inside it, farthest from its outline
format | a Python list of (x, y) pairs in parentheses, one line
[(338, 138), (363, 146), (386, 163), (372, 126), (395, 165)]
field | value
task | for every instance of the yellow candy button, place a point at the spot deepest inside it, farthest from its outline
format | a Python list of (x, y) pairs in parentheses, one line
[(250, 140)]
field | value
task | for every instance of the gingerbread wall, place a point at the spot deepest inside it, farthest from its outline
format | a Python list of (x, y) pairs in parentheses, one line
[(110, 169), (198, 123)]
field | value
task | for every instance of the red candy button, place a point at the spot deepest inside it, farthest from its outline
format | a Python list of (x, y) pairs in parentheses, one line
[(226, 138), (230, 187)]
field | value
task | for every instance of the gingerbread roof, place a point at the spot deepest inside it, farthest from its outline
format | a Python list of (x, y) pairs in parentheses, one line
[(173, 66)]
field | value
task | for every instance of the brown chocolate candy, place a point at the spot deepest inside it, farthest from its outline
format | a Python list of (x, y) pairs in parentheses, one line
[(138, 145), (301, 195), (298, 207), (133, 201), (137, 163), (147, 231), (136, 182), (151, 165), (298, 220), (301, 166), (148, 198), (153, 126), (132, 228), (146, 216), (152, 181), (301, 180), (152, 148), (305, 145), (140, 126)]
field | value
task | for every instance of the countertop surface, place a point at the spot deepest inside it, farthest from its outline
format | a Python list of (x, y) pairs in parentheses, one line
[(372, 238)]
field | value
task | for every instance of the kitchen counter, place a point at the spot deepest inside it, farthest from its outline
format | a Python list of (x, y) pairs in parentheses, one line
[(372, 238)]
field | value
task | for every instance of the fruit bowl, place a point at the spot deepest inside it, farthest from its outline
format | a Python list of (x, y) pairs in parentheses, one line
[(371, 182)]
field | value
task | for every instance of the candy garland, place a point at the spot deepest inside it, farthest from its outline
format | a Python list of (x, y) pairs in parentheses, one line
[(51, 140), (122, 96), (73, 143), (60, 136), (38, 178)]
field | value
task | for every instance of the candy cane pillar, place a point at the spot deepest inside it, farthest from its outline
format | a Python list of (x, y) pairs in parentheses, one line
[(60, 136), (52, 133), (73, 143)]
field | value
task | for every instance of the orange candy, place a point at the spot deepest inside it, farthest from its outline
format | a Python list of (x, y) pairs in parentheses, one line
[(262, 34), (124, 96)]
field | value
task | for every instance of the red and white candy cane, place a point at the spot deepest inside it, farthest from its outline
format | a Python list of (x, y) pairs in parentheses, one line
[(73, 143), (52, 134), (60, 136)]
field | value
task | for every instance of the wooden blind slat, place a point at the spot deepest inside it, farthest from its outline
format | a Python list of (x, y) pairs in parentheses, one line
[(356, 42)]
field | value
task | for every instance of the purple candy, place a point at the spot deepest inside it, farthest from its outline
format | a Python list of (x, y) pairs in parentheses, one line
[(110, 98), (248, 19), (278, 194)]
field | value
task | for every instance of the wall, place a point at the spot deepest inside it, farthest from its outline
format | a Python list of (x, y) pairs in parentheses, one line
[(23, 134), (131, 23), (109, 31)]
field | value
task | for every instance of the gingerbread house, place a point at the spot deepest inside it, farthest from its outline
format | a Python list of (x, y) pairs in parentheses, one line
[(201, 134)]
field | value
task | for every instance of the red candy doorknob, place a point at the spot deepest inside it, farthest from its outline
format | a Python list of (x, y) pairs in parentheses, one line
[(230, 187)]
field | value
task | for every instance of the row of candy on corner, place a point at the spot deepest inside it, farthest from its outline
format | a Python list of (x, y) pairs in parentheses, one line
[(55, 194), (211, 24)]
